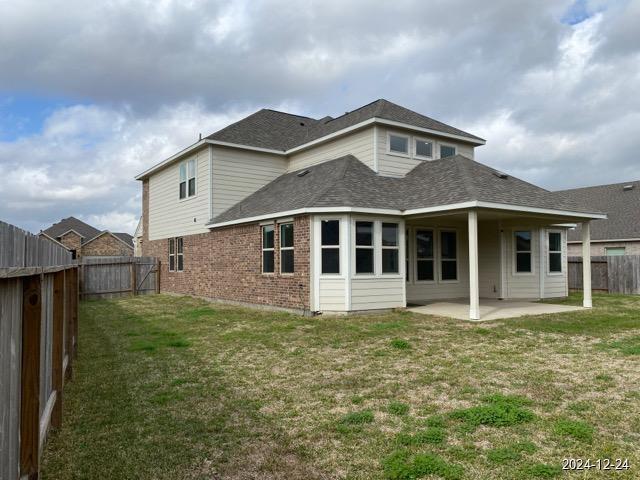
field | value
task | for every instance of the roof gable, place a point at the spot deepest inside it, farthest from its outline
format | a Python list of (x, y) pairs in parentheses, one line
[(71, 223)]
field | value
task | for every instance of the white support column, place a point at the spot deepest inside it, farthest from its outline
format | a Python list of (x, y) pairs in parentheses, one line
[(474, 289), (586, 264)]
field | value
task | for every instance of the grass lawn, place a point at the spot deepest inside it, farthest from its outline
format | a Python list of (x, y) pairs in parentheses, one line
[(173, 387)]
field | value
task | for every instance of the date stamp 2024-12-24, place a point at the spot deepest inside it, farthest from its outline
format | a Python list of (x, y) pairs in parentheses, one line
[(619, 464)]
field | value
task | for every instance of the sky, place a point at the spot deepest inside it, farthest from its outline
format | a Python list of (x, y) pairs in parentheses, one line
[(93, 93)]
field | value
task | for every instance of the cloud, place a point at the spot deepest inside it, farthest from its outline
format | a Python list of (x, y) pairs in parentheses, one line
[(552, 85)]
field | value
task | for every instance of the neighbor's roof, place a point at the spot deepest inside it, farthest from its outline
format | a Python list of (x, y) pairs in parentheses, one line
[(72, 223), (622, 207), (125, 237), (347, 182), (275, 130)]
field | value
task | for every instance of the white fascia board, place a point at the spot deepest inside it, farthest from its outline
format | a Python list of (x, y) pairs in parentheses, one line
[(463, 138), (246, 147), (167, 161), (109, 233), (68, 231), (608, 240), (303, 211), (546, 211)]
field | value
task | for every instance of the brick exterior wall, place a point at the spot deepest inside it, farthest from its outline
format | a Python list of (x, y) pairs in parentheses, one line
[(106, 245), (226, 264), (598, 249), (72, 241)]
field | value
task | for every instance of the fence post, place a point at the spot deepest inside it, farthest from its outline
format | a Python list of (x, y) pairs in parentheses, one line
[(30, 376), (58, 346), (134, 280), (157, 275), (68, 319)]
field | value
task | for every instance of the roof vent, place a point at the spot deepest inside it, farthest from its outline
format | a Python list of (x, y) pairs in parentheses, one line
[(302, 124), (626, 188), (500, 174), (302, 173)]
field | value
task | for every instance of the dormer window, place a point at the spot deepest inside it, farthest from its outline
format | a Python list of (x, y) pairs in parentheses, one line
[(187, 179), (398, 144), (424, 148), (447, 151)]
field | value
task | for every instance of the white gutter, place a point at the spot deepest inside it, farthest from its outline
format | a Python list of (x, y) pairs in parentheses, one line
[(608, 240), (405, 213), (344, 131)]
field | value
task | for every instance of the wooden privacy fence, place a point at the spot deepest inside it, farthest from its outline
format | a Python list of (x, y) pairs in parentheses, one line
[(38, 343), (108, 277), (615, 274)]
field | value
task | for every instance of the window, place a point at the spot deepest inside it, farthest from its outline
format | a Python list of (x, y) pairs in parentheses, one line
[(364, 247), (447, 151), (424, 255), (390, 247), (448, 256), (286, 248), (555, 252), (330, 246), (614, 251), (187, 179), (424, 148), (406, 255), (267, 249), (176, 254), (523, 251), (398, 144)]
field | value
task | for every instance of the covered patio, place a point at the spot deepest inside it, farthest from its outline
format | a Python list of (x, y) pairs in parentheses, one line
[(490, 309)]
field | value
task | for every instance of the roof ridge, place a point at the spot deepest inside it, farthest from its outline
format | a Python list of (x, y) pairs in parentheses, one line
[(597, 186), (356, 109), (288, 113), (467, 180)]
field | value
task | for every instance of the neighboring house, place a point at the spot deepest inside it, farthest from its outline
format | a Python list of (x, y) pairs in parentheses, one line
[(375, 209), (137, 239), (83, 240), (619, 234)]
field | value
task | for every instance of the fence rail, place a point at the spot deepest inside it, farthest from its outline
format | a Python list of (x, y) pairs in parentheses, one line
[(38, 342), (109, 277), (615, 274)]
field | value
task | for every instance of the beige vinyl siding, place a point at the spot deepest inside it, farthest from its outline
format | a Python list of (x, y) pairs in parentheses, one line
[(332, 294), (489, 259), (372, 293), (394, 165), (168, 215), (239, 173), (555, 285), (522, 285), (438, 289), (359, 144)]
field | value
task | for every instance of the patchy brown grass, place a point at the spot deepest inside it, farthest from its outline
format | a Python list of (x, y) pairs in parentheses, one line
[(171, 387)]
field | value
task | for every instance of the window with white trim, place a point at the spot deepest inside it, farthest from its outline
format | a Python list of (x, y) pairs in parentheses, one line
[(555, 252), (187, 186), (330, 246), (447, 151), (424, 255), (267, 249), (448, 255), (390, 248), (407, 275), (176, 254), (522, 239), (398, 144), (286, 248), (423, 148), (364, 248)]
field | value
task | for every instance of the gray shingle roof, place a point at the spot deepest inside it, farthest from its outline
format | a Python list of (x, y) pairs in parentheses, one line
[(347, 182), (282, 131), (125, 237), (622, 208), (72, 223)]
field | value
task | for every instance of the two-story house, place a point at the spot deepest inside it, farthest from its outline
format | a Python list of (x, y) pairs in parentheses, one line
[(374, 209)]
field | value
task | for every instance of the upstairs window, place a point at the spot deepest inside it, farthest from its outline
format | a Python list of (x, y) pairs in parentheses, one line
[(424, 255), (424, 148), (286, 248), (364, 247), (398, 144), (390, 248), (555, 252), (448, 256), (447, 151), (330, 246), (267, 249), (187, 179), (523, 251)]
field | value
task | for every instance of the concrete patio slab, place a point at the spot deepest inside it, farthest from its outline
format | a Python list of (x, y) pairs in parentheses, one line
[(491, 309)]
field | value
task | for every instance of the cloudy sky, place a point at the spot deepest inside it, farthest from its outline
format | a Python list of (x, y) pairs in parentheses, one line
[(92, 93)]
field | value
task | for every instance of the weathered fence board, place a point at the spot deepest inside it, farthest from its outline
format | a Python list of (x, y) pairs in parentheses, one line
[(30, 348), (614, 274), (111, 277)]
